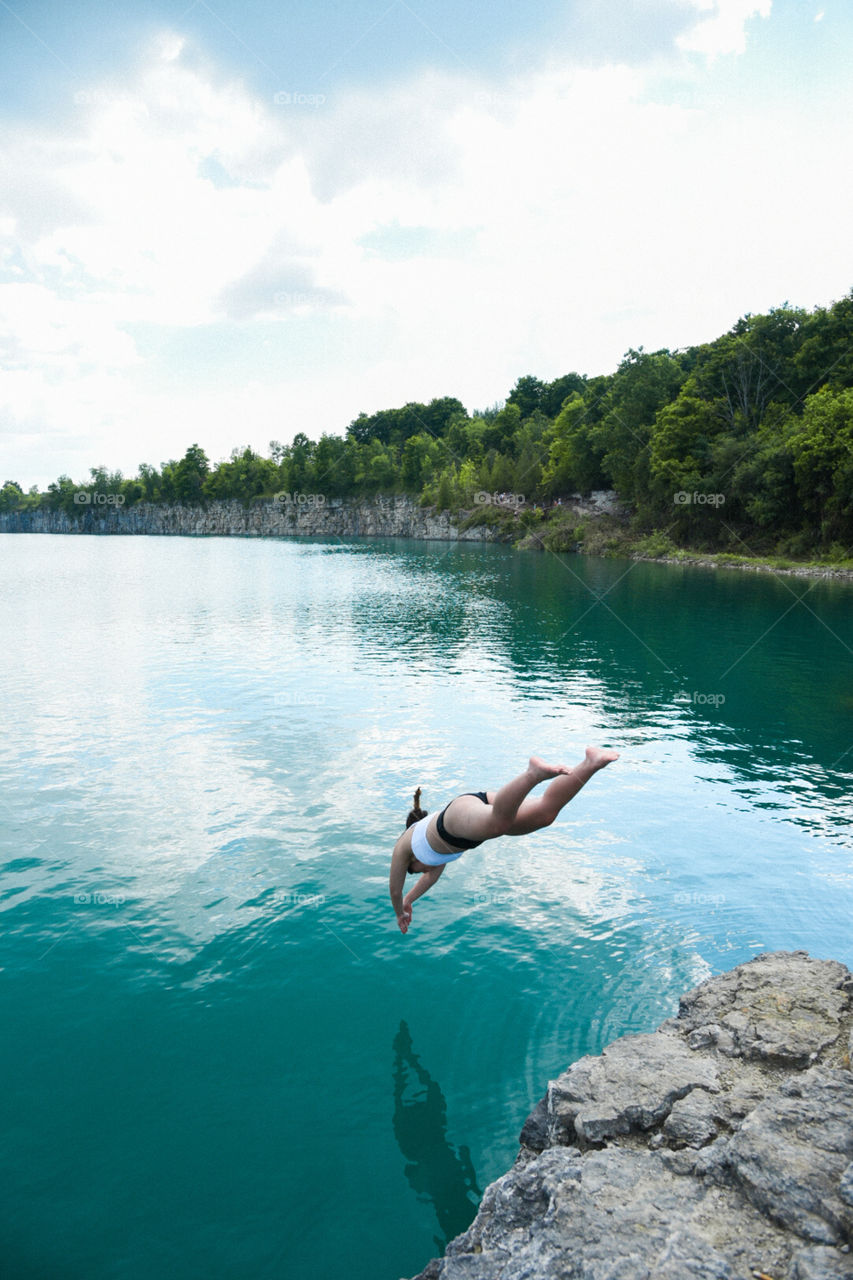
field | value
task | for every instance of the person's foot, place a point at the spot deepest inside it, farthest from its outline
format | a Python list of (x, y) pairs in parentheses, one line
[(597, 757), (541, 770)]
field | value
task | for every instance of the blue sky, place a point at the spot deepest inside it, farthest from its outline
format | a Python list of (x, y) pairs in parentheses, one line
[(228, 222)]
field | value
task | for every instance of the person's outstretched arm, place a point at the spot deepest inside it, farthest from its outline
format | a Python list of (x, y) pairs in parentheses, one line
[(424, 882), (399, 868)]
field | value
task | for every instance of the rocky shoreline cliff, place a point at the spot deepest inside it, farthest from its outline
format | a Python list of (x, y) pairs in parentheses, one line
[(718, 1147), (378, 517), (334, 517)]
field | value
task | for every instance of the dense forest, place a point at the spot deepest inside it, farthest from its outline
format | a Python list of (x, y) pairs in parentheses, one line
[(743, 442)]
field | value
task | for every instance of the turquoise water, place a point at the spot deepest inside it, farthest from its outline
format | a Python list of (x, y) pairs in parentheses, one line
[(220, 1057)]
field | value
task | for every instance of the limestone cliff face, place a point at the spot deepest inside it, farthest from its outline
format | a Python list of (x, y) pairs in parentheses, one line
[(718, 1147), (336, 517)]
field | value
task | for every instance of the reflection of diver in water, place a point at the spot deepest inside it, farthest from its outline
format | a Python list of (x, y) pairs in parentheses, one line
[(436, 1170)]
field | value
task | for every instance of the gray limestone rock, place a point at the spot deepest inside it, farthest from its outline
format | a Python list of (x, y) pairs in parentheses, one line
[(793, 1151), (845, 1186), (692, 1120), (632, 1085), (292, 514), (770, 1009), (820, 1263), (719, 1147), (611, 1213)]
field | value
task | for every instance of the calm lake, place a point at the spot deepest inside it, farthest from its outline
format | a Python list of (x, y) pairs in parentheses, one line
[(220, 1057)]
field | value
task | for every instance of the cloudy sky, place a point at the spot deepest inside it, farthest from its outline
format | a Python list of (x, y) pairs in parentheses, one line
[(228, 222)]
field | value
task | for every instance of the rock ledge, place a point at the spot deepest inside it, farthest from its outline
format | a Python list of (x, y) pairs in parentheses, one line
[(718, 1147)]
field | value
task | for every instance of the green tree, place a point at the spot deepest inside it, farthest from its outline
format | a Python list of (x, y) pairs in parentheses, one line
[(12, 496), (414, 462), (445, 491), (466, 481), (761, 482), (822, 452), (574, 455), (680, 449), (749, 367), (168, 487), (527, 395), (150, 480), (190, 474), (334, 466), (642, 385), (501, 434), (436, 417), (300, 459), (527, 477), (395, 426), (60, 495), (244, 477), (825, 356), (502, 475), (556, 393), (377, 469)]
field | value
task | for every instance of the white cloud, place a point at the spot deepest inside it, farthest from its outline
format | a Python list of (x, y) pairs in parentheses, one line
[(210, 267), (723, 30)]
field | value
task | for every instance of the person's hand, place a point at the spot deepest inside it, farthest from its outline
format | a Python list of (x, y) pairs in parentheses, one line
[(405, 919)]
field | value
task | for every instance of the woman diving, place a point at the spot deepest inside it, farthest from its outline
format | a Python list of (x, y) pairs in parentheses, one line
[(427, 845)]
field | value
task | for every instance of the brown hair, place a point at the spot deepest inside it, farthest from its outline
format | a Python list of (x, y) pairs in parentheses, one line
[(416, 812)]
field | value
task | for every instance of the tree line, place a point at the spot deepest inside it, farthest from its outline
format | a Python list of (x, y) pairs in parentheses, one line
[(748, 437)]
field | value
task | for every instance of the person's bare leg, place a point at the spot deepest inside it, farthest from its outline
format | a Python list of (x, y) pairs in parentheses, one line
[(508, 800), (469, 818), (540, 811)]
